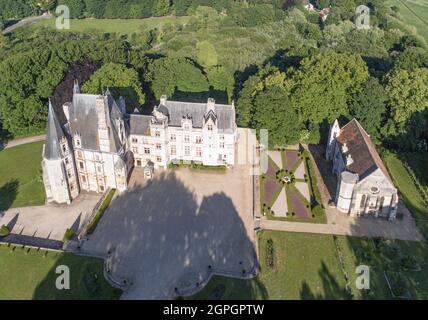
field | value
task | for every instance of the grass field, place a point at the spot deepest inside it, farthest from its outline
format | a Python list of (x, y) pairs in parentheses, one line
[(307, 266), (120, 26), (20, 176), (409, 191), (30, 274), (413, 12)]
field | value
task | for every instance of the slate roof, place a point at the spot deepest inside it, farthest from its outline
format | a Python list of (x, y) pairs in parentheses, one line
[(140, 124), (177, 110), (53, 136), (84, 120), (362, 150)]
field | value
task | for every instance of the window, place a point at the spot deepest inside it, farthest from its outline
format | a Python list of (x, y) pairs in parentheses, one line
[(158, 146), (198, 151), (210, 127), (79, 154), (134, 140), (157, 133), (221, 145), (69, 174), (381, 202), (186, 126), (78, 142), (64, 148), (134, 149), (99, 169), (71, 186), (363, 201), (198, 140), (81, 166), (146, 150), (102, 188), (187, 151), (173, 137), (66, 160), (138, 162), (158, 159), (84, 179), (173, 149), (97, 157), (186, 138), (222, 137)]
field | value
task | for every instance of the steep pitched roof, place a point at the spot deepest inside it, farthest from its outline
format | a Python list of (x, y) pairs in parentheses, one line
[(362, 150), (84, 120), (53, 136), (140, 124), (177, 110)]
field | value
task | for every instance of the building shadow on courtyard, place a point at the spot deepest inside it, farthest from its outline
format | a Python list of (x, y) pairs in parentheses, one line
[(164, 244)]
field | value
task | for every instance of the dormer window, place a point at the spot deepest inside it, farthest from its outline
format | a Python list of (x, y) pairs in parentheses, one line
[(186, 126), (210, 127), (157, 133), (64, 148)]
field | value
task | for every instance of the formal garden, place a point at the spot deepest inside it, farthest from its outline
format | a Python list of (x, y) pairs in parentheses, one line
[(289, 190)]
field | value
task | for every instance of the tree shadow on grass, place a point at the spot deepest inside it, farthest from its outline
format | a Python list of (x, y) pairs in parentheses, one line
[(8, 193)]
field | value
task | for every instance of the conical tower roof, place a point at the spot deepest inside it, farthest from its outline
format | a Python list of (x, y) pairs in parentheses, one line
[(53, 136)]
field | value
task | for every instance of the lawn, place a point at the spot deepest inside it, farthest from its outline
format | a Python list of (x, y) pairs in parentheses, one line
[(309, 266), (20, 176), (30, 274), (414, 13), (120, 26), (409, 191)]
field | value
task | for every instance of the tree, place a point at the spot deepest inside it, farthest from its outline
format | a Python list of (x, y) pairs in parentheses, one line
[(161, 7), (273, 111), (412, 58), (95, 8), (168, 74), (368, 106), (77, 7), (407, 92), (221, 79), (120, 80), (323, 83), (207, 54)]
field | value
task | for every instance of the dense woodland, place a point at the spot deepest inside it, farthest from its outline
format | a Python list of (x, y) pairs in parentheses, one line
[(287, 70)]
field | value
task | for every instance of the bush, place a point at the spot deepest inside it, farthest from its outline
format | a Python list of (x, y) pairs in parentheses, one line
[(4, 231), (68, 235), (100, 212), (269, 253)]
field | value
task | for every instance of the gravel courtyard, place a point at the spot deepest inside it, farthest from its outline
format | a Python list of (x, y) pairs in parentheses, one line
[(167, 235)]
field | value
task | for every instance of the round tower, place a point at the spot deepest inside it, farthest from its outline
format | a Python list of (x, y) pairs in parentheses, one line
[(345, 190)]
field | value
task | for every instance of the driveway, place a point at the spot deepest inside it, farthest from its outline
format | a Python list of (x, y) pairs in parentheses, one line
[(169, 235), (49, 221)]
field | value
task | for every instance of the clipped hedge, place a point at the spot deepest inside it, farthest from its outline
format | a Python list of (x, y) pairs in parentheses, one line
[(68, 235), (4, 231), (100, 211)]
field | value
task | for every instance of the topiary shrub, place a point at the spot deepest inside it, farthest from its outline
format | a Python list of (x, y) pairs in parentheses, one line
[(269, 253), (4, 231), (68, 235)]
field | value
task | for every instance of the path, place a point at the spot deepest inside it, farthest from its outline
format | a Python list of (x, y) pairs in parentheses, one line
[(17, 142), (26, 21)]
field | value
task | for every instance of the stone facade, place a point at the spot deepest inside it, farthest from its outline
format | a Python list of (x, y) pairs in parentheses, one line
[(364, 185), (100, 142)]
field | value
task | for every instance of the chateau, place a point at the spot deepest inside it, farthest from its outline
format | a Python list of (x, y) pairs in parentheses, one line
[(100, 143), (364, 185)]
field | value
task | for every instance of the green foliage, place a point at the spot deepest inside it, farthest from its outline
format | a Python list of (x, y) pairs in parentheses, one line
[(4, 231), (368, 106), (120, 80), (221, 79), (100, 212), (68, 235), (77, 7), (167, 75), (207, 54)]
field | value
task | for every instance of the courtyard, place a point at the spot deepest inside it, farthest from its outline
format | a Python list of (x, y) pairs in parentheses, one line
[(166, 236)]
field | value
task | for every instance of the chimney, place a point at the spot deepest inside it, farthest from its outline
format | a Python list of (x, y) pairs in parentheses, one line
[(76, 87), (349, 160), (163, 100), (66, 109), (210, 104), (344, 148)]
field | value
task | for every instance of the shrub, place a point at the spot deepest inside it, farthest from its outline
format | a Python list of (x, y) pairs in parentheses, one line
[(68, 235), (100, 212), (4, 231), (269, 253)]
